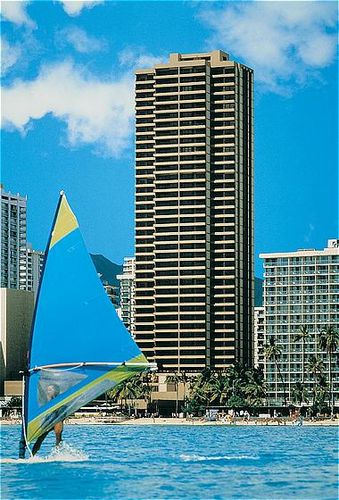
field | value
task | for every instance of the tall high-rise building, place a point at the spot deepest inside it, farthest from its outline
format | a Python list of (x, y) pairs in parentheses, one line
[(127, 291), (12, 238), (194, 212), (301, 289)]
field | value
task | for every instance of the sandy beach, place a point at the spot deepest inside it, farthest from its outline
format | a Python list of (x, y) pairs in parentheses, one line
[(82, 420)]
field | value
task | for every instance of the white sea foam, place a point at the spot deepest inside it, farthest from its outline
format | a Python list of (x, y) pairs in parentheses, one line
[(66, 453), (202, 458), (13, 461), (62, 453)]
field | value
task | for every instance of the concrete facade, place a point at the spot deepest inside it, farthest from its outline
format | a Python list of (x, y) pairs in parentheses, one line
[(33, 268), (16, 318), (259, 337), (194, 212), (127, 293), (113, 294), (12, 240), (300, 289)]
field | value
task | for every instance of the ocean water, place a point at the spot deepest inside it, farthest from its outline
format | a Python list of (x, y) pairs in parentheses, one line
[(175, 462)]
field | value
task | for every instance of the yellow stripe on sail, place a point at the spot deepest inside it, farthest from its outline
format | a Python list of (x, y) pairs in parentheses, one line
[(117, 375), (65, 222)]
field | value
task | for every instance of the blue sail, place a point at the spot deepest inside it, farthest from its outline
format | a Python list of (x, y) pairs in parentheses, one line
[(79, 346)]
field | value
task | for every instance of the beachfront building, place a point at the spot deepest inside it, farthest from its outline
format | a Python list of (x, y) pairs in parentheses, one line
[(127, 291), (301, 289), (12, 239), (16, 313), (194, 212), (113, 294), (30, 269), (259, 337)]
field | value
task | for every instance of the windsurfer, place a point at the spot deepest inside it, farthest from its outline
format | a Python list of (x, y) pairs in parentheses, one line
[(52, 392), (77, 342)]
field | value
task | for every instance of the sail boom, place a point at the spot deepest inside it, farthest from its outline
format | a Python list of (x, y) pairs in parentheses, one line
[(94, 363)]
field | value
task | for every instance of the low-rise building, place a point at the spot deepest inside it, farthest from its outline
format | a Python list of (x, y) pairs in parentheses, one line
[(16, 319)]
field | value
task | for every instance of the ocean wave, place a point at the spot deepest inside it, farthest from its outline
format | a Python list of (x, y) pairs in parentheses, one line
[(202, 458)]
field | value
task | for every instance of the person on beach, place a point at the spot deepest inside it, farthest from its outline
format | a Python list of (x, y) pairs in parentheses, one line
[(51, 393)]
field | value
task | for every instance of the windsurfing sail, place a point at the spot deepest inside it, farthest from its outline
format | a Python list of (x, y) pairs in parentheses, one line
[(79, 347)]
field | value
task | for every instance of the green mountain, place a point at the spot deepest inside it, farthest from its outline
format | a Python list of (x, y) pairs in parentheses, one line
[(258, 292), (107, 269), (108, 272)]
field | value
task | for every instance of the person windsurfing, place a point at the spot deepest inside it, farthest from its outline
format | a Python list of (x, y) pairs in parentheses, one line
[(52, 392), (78, 341)]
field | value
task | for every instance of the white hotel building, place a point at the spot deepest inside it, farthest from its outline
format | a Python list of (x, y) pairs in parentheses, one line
[(300, 288), (259, 337), (127, 292), (31, 268)]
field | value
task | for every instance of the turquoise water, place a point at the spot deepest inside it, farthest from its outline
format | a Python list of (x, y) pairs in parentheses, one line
[(176, 462)]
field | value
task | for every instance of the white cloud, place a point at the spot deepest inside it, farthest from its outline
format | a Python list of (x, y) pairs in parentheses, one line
[(97, 113), (10, 54), (16, 56), (80, 40), (137, 58), (15, 12), (285, 42), (74, 8)]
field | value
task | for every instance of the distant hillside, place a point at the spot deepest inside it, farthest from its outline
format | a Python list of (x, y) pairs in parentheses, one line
[(258, 292), (107, 269)]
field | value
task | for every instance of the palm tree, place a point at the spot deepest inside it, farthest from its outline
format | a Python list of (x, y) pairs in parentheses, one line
[(299, 393), (316, 369), (273, 352), (315, 365), (176, 379), (329, 341), (321, 393), (146, 378), (255, 388), (127, 390), (220, 388), (13, 405), (184, 380), (201, 387), (236, 375), (302, 335)]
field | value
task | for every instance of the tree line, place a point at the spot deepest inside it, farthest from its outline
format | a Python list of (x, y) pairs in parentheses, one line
[(323, 390), (241, 386)]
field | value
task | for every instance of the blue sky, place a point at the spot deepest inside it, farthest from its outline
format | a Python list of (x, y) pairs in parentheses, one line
[(67, 104)]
